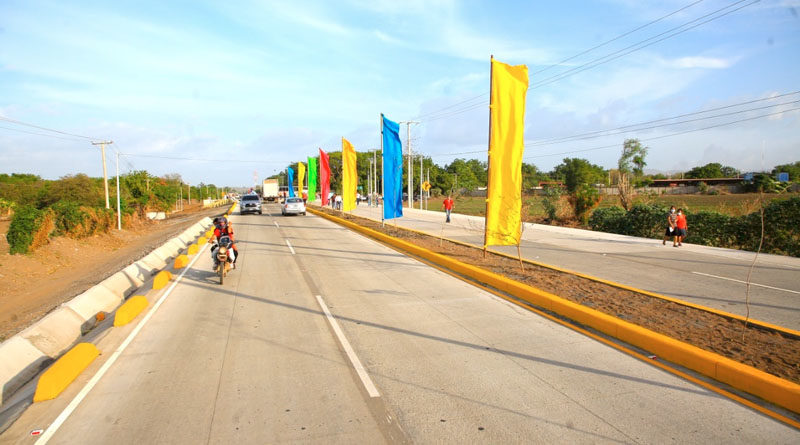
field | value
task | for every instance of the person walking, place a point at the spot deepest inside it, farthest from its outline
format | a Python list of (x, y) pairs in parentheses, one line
[(682, 227), (672, 220), (448, 206)]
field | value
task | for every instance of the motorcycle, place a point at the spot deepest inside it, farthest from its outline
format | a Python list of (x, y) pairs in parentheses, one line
[(223, 257)]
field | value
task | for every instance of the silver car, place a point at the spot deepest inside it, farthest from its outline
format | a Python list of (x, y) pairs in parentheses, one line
[(250, 204), (293, 206)]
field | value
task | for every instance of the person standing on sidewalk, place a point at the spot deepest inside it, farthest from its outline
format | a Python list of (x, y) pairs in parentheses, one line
[(448, 206), (672, 220), (681, 227)]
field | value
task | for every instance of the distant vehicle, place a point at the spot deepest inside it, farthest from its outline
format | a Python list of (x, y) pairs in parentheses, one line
[(250, 204), (269, 189), (293, 206)]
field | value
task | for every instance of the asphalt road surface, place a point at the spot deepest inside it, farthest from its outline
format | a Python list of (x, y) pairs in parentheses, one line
[(409, 354), (707, 276)]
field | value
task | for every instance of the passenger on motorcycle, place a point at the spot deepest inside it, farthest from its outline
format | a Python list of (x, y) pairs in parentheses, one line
[(221, 228)]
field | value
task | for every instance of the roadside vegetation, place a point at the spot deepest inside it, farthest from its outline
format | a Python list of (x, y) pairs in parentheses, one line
[(74, 205)]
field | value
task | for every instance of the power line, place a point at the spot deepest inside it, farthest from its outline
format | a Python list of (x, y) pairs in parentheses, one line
[(451, 106), (41, 134), (179, 158), (636, 46), (634, 127), (668, 135), (14, 121), (617, 37)]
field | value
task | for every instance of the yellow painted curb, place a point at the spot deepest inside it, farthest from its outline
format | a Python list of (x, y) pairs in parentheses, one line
[(64, 371), (209, 233), (721, 313), (746, 378), (192, 249), (181, 261), (129, 310), (161, 279), (202, 240)]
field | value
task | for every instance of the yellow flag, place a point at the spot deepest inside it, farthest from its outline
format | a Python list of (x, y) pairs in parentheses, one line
[(301, 176), (507, 120), (349, 178)]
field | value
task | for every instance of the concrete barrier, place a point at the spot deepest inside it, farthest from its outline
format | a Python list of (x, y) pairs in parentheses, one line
[(153, 262), (176, 243), (64, 371), (95, 299), (129, 310), (120, 284), (56, 332), (192, 250), (746, 378), (21, 361), (136, 274)]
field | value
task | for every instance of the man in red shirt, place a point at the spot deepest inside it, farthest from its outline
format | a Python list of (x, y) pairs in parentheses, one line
[(222, 227), (681, 227), (448, 206)]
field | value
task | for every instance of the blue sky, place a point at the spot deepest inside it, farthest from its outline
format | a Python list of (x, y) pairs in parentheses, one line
[(266, 83)]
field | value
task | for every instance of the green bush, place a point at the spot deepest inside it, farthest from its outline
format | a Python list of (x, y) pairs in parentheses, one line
[(550, 202), (781, 234), (608, 219), (584, 199), (68, 217), (26, 222)]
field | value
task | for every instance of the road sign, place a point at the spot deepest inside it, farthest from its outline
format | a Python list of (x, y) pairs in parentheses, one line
[(426, 186)]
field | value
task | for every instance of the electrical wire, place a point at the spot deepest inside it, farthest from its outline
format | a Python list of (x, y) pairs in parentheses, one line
[(179, 158), (14, 121), (41, 134), (617, 37), (668, 135), (635, 47)]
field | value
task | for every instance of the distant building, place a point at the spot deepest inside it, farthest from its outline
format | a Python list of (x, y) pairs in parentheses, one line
[(695, 182)]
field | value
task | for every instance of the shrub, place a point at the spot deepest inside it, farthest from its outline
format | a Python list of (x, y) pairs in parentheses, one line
[(646, 220), (583, 200), (608, 219), (26, 225), (711, 229), (551, 202)]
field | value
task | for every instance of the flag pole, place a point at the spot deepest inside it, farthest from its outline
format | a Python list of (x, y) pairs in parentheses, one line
[(382, 167), (488, 162)]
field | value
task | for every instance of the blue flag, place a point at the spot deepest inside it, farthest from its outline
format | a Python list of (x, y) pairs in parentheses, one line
[(392, 170), (290, 172)]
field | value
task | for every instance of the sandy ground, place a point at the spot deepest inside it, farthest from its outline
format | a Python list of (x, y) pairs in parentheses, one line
[(761, 348), (33, 285)]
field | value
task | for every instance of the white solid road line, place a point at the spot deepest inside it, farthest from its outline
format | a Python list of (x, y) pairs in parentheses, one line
[(290, 247), (745, 282), (362, 373), (51, 430)]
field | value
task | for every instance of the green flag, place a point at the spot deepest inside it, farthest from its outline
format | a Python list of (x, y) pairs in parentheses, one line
[(312, 178)]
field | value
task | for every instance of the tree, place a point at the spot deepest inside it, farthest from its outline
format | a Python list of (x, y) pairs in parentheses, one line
[(574, 172), (712, 170), (466, 176), (630, 162), (792, 169)]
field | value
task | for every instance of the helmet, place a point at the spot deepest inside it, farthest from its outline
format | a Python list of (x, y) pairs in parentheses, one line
[(221, 222)]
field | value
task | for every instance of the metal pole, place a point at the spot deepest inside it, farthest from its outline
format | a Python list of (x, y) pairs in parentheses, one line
[(428, 193), (410, 167), (119, 212), (420, 181), (382, 176), (489, 160)]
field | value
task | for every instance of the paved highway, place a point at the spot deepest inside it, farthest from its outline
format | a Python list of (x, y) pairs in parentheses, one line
[(409, 354), (707, 276)]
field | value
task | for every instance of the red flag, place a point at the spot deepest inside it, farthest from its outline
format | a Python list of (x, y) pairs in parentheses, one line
[(324, 176)]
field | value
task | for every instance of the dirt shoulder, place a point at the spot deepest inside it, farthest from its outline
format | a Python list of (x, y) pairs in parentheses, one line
[(35, 284), (768, 350)]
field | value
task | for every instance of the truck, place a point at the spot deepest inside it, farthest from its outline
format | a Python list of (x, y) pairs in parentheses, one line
[(269, 190)]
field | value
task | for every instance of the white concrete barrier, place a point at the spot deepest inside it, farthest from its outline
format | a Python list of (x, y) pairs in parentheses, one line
[(56, 332), (20, 361), (26, 354), (95, 299)]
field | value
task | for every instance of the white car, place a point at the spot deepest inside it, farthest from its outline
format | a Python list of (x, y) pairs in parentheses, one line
[(293, 206)]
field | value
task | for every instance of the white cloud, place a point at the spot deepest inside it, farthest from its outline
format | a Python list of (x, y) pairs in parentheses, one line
[(701, 62)]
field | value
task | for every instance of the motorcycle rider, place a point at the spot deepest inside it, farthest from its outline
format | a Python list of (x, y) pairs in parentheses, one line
[(223, 227)]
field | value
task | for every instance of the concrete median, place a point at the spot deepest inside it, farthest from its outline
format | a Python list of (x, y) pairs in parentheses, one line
[(21, 361), (746, 378), (56, 332), (95, 299)]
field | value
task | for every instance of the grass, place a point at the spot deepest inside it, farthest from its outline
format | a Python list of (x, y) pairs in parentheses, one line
[(733, 205)]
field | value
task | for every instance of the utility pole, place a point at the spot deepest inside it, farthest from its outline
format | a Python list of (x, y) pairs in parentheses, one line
[(420, 181), (119, 212), (410, 163), (102, 145)]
